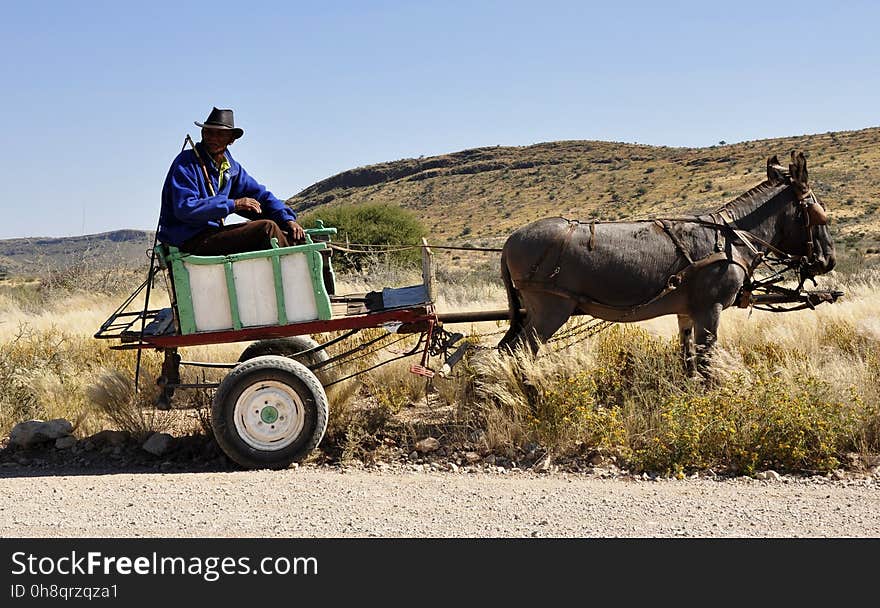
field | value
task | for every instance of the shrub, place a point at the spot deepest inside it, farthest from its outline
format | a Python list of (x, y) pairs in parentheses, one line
[(371, 225), (630, 397), (753, 425), (50, 373)]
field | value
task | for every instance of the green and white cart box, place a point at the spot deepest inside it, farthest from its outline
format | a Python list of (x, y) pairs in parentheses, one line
[(274, 286)]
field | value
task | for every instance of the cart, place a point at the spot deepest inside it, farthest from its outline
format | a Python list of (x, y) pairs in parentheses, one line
[(271, 409)]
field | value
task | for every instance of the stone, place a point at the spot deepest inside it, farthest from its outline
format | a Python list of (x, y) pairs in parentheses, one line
[(769, 475), (158, 444), (544, 464), (428, 444), (472, 457), (33, 432), (111, 437), (597, 460), (64, 443)]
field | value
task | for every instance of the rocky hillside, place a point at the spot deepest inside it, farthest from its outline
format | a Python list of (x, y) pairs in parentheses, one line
[(481, 195), (32, 256)]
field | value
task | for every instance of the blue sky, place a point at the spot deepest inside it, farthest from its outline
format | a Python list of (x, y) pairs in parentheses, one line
[(98, 96)]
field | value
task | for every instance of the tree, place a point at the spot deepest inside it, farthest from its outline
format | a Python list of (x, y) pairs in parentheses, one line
[(382, 225)]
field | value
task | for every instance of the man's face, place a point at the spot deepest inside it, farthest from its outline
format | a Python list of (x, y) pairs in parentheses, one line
[(216, 140)]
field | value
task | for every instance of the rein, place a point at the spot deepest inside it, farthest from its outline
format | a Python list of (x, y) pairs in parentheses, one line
[(367, 248)]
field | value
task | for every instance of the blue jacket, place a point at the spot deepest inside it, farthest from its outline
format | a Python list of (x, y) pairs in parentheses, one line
[(188, 208)]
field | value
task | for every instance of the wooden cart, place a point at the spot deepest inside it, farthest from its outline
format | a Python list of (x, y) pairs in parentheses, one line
[(271, 409)]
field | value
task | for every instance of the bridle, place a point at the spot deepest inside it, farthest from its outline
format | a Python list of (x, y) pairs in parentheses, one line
[(814, 215)]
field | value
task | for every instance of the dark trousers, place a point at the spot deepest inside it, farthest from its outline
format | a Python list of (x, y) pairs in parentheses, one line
[(236, 238)]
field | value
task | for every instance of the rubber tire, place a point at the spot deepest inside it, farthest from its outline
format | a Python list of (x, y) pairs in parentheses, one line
[(289, 347), (259, 369)]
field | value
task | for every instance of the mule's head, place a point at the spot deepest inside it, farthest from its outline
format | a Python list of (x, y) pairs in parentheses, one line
[(805, 226)]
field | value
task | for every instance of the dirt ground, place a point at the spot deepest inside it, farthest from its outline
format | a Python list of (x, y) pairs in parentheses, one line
[(108, 486)]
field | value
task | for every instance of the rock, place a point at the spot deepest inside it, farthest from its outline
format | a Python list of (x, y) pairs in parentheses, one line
[(428, 444), (33, 432), (769, 475), (64, 443), (158, 444), (111, 438), (472, 457), (543, 465), (597, 460)]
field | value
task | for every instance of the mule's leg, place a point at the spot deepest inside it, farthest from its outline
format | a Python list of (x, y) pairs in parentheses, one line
[(546, 314), (513, 337), (705, 336), (686, 337)]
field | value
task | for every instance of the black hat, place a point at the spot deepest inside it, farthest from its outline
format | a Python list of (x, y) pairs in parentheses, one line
[(221, 119)]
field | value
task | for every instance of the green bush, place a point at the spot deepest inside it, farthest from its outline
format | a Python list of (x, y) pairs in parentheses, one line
[(382, 225), (631, 398)]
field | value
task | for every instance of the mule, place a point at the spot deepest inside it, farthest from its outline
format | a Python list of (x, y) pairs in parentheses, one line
[(691, 266)]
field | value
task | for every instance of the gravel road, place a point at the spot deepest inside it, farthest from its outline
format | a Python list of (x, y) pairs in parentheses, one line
[(321, 501)]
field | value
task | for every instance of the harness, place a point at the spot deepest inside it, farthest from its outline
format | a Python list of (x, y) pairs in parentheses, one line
[(725, 250)]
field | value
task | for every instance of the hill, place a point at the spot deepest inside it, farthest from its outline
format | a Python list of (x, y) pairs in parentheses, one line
[(31, 256), (483, 194), (479, 196)]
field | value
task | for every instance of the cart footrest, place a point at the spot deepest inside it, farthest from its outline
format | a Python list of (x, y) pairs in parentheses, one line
[(396, 297), (162, 323)]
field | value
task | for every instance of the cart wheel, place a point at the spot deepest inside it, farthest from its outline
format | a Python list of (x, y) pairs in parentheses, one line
[(268, 412), (289, 347)]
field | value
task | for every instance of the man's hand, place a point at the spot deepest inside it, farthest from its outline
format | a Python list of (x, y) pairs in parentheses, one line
[(248, 205), (296, 232)]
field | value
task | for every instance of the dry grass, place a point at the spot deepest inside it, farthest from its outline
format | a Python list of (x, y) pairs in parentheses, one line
[(797, 391)]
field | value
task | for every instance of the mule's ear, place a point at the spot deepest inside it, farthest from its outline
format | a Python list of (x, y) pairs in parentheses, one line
[(798, 167), (802, 162), (774, 170)]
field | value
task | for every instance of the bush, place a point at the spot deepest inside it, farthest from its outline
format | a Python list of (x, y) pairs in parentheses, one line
[(380, 225), (627, 395)]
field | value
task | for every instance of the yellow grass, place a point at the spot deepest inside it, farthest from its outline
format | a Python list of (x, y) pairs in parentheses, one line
[(618, 391)]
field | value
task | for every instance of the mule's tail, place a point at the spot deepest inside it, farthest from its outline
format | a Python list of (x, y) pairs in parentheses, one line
[(514, 307)]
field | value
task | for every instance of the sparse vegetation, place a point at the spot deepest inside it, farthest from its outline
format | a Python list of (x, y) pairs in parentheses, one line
[(797, 392), (582, 176)]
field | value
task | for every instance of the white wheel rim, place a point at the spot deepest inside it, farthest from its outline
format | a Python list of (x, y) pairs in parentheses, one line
[(269, 415)]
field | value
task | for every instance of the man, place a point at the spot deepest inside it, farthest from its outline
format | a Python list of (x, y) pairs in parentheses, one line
[(205, 185)]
